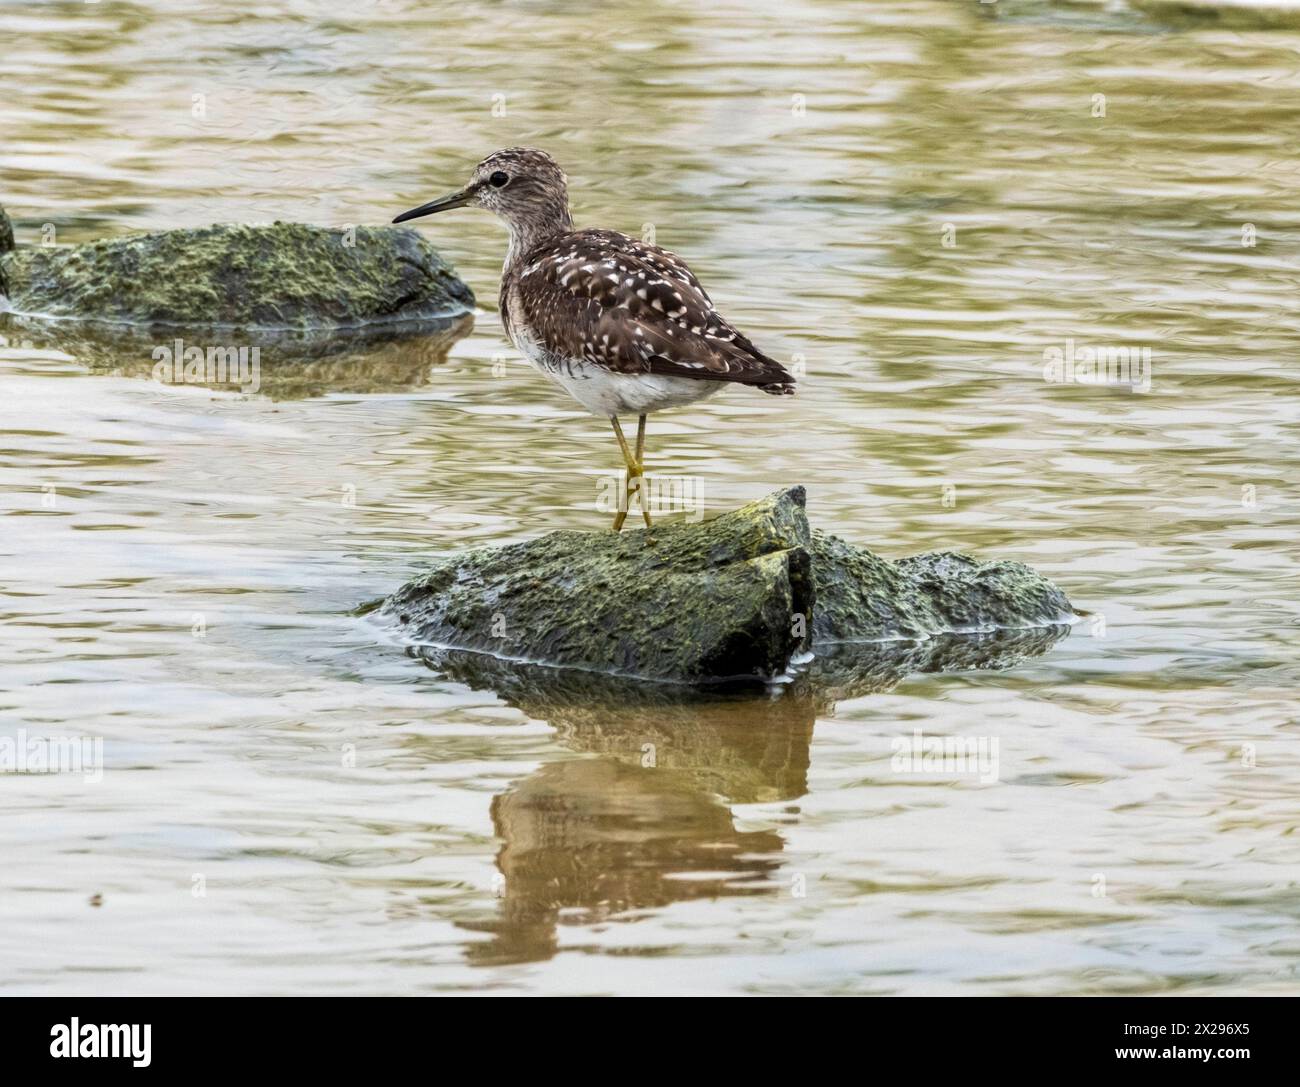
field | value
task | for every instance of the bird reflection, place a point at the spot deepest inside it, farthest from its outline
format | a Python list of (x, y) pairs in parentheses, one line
[(642, 818), (588, 840)]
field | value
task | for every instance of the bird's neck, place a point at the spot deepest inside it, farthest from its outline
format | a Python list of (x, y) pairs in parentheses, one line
[(525, 233)]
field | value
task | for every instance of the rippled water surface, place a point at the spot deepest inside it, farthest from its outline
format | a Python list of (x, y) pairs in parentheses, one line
[(915, 201)]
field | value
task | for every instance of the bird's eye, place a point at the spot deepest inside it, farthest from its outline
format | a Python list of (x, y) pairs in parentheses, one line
[(499, 179)]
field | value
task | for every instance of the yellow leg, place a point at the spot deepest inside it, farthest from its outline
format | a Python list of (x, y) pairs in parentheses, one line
[(640, 438), (633, 470), (640, 464)]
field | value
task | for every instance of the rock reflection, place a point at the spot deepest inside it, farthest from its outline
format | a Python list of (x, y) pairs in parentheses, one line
[(290, 365), (644, 820)]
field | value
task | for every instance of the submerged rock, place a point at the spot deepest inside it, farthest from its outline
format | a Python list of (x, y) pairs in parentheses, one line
[(282, 276), (6, 236), (735, 598)]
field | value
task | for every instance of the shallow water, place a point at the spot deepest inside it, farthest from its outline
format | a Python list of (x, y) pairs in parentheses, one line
[(291, 803)]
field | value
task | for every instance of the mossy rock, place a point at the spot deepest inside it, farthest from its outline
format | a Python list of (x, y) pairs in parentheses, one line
[(281, 276), (735, 598), (862, 597)]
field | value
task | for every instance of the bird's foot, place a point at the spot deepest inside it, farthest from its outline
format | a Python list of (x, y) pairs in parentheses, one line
[(635, 489), (636, 485)]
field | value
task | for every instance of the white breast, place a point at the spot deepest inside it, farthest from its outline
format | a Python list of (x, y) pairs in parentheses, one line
[(604, 393)]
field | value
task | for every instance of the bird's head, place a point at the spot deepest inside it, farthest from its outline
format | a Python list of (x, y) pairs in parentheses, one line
[(522, 185)]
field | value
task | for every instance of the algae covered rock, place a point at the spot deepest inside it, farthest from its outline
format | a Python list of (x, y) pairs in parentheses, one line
[(6, 237), (281, 276), (737, 597), (862, 597), (685, 602)]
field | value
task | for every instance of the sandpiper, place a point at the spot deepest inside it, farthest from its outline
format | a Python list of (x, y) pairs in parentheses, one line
[(621, 325)]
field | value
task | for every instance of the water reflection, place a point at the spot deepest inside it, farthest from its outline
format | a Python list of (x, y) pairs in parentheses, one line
[(289, 365), (594, 839), (839, 670), (647, 820)]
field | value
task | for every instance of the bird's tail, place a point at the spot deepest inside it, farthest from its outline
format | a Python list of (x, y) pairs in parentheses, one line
[(764, 373)]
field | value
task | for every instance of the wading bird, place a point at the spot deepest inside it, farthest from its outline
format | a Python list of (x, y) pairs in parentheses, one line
[(623, 326)]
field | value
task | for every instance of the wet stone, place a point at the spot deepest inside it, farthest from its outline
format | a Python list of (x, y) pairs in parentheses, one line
[(735, 598), (287, 276)]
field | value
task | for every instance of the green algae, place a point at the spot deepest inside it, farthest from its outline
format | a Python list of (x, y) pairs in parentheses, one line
[(281, 276), (737, 597)]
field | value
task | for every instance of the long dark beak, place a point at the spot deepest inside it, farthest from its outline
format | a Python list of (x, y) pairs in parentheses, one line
[(443, 203)]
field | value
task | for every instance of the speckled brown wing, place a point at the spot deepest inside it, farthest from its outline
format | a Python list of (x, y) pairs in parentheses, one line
[(632, 308)]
